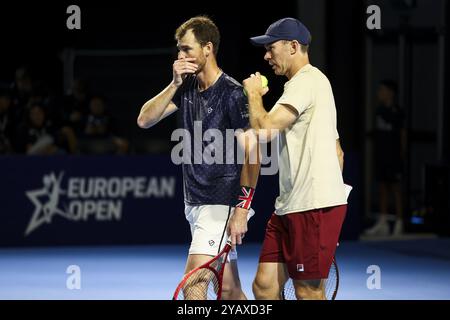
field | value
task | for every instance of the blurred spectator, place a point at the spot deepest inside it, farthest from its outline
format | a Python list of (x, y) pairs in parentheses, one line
[(99, 132), (76, 106), (33, 122), (389, 141), (22, 86), (25, 93), (6, 123), (21, 91), (40, 137)]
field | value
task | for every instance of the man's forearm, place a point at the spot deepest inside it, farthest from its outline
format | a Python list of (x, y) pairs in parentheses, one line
[(153, 109), (252, 161), (257, 112), (251, 165), (250, 174)]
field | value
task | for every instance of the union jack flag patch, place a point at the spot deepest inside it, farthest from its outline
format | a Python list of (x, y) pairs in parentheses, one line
[(246, 197)]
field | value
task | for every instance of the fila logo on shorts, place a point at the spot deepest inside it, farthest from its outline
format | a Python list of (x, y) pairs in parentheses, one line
[(300, 268)]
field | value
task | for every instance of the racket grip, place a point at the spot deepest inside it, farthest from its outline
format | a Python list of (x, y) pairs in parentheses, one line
[(232, 255)]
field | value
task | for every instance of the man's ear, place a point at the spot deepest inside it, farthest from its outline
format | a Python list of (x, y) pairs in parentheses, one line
[(209, 49), (295, 46)]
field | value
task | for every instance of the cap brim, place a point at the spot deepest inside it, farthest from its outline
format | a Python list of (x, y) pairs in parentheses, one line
[(263, 40)]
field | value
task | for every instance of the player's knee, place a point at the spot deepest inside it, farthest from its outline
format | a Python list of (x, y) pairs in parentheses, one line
[(309, 293), (263, 288), (232, 292), (227, 290)]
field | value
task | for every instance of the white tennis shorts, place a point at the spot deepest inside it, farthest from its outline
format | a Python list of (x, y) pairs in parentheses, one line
[(209, 228)]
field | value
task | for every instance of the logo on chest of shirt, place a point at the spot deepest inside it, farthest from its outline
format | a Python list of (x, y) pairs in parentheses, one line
[(205, 105), (244, 113), (189, 101)]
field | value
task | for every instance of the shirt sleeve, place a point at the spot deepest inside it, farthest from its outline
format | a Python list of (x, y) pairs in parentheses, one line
[(177, 98), (238, 110), (297, 93), (179, 94)]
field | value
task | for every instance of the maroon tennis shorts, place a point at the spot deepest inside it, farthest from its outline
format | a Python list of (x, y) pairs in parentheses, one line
[(305, 241)]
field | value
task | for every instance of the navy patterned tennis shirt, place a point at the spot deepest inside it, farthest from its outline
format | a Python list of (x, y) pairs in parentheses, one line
[(222, 106)]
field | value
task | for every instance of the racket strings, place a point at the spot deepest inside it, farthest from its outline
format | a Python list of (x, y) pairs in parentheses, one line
[(331, 283), (202, 284)]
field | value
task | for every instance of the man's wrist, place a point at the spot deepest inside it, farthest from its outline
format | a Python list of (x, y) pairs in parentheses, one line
[(242, 211), (245, 197), (173, 85)]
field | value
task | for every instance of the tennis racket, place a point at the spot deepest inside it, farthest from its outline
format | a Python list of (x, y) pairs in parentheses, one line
[(331, 285), (204, 282)]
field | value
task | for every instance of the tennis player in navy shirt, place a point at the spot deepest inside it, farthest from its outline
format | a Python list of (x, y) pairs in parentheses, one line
[(217, 195)]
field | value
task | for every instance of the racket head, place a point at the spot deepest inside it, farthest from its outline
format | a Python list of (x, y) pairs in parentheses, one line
[(331, 285), (205, 281)]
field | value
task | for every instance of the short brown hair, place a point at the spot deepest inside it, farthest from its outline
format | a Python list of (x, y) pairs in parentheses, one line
[(204, 30), (303, 47)]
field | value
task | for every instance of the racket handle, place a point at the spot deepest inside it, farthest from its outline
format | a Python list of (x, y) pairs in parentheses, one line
[(232, 255)]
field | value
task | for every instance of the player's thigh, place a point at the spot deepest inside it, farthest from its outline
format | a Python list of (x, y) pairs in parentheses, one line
[(271, 275), (196, 260), (316, 284), (208, 228), (310, 289), (231, 274)]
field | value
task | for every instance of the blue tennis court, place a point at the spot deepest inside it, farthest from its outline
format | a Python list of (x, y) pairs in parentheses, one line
[(414, 269)]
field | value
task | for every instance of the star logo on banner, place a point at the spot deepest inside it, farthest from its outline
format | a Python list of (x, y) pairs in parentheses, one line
[(45, 201)]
